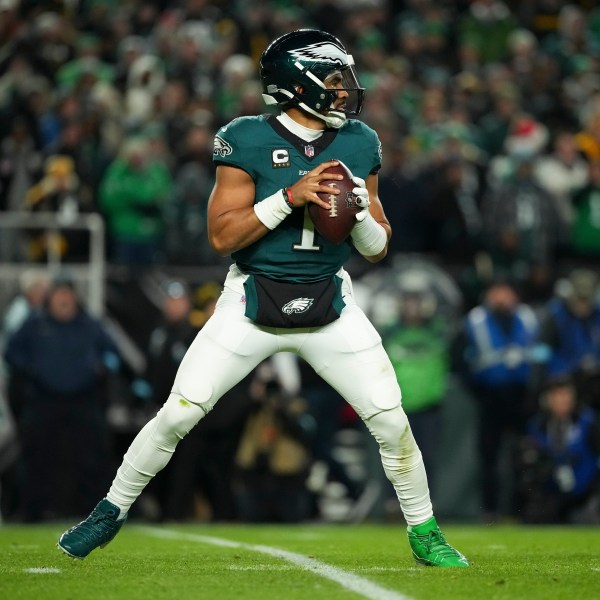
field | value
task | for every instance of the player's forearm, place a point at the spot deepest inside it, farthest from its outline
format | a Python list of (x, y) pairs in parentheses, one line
[(370, 237), (380, 255), (234, 230), (377, 257)]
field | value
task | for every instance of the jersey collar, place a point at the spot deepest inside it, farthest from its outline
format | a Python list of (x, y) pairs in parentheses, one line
[(311, 149)]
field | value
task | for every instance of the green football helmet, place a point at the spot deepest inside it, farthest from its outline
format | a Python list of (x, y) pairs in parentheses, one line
[(293, 70)]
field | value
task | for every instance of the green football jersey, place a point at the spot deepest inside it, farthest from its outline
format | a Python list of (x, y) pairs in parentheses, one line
[(276, 158)]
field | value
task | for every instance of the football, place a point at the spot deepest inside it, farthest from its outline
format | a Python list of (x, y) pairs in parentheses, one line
[(336, 223)]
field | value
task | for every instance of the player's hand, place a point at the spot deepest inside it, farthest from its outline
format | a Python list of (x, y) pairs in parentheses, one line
[(362, 197), (307, 188)]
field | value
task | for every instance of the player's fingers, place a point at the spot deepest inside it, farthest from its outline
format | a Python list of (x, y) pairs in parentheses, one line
[(324, 166), (327, 189), (316, 200), (326, 175)]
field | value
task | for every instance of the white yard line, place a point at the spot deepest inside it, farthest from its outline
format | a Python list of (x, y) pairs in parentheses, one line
[(42, 570), (346, 579)]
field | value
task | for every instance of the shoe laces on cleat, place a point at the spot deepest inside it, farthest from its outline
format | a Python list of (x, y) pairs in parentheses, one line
[(435, 543), (99, 524)]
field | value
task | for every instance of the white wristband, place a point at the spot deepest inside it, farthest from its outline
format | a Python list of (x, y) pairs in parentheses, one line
[(368, 236), (272, 210)]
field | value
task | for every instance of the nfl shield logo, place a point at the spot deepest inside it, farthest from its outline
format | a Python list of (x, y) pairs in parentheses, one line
[(309, 151)]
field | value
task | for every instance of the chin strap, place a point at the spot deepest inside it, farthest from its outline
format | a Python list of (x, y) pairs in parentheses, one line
[(334, 118)]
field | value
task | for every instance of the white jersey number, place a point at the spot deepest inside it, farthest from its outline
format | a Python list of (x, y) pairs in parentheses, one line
[(307, 243)]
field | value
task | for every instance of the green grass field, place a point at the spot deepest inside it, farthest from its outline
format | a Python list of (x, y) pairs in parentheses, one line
[(303, 562)]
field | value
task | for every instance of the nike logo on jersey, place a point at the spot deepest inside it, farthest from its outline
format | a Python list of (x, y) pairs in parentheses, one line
[(298, 305)]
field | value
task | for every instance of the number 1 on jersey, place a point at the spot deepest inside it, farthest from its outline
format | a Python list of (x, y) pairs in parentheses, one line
[(307, 243)]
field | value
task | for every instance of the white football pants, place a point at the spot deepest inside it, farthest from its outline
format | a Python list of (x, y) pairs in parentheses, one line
[(347, 354)]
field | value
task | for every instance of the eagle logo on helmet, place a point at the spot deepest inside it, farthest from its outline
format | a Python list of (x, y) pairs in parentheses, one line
[(321, 52)]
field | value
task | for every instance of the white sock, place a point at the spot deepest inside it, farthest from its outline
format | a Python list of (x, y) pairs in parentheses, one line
[(403, 464), (151, 450)]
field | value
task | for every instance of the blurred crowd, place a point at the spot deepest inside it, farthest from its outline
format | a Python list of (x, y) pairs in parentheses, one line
[(489, 118)]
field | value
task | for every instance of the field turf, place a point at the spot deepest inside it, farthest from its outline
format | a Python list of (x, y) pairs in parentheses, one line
[(303, 562)]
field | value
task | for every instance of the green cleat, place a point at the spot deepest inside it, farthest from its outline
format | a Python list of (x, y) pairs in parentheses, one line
[(97, 530), (430, 548)]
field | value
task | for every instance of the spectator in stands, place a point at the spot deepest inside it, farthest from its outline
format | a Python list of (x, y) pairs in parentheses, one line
[(145, 80), (523, 51), (59, 193), (176, 116), (39, 104), (570, 329), (133, 193), (525, 142), (570, 38), (87, 68), (59, 357), (562, 173), (495, 125), (51, 41), (70, 142), (30, 298), (496, 347), (521, 226), (588, 138), (185, 214), (585, 226), (273, 458), (408, 218), (192, 59), (236, 74), (127, 52), (560, 459), (20, 165), (33, 287), (453, 212), (488, 25), (11, 22)]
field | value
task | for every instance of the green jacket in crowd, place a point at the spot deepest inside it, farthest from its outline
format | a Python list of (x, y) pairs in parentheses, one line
[(133, 199), (420, 357)]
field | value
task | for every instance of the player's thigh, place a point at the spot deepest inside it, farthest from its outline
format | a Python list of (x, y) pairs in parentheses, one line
[(348, 354), (227, 348)]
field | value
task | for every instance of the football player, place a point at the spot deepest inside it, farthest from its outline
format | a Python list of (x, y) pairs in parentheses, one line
[(287, 289)]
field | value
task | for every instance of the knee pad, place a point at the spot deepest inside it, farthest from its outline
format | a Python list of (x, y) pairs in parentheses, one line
[(196, 390), (390, 428), (399, 452), (386, 394), (176, 418)]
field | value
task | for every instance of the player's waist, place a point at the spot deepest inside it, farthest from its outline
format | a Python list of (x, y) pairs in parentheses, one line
[(287, 275), (238, 273)]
